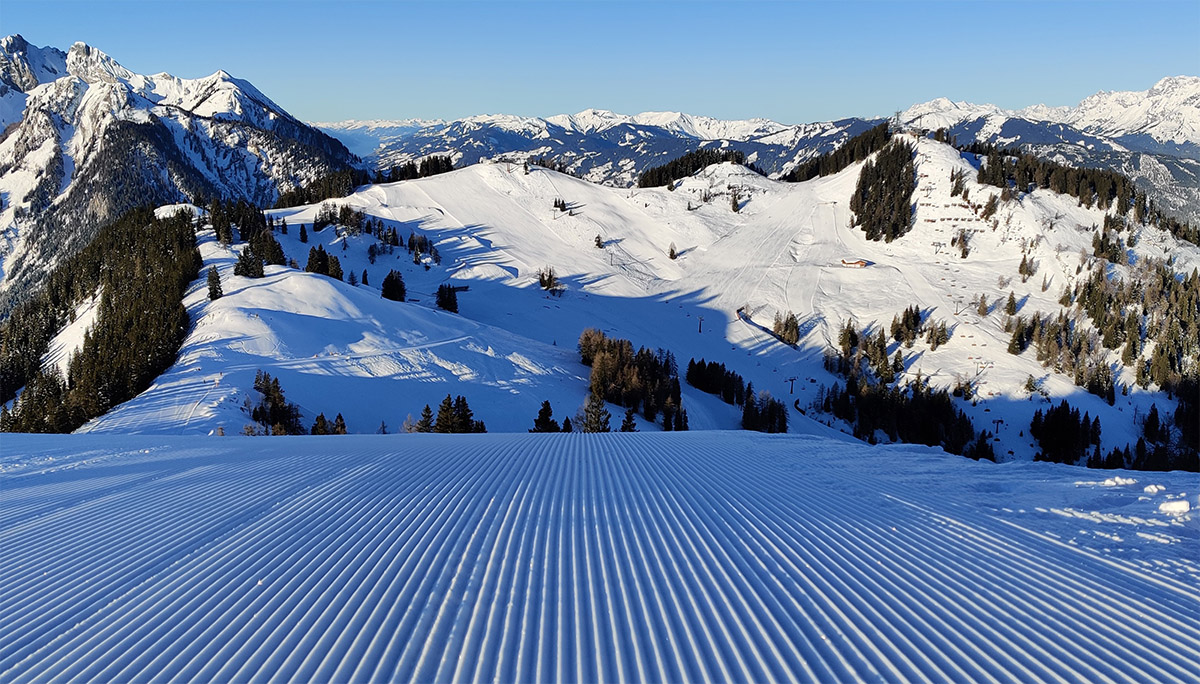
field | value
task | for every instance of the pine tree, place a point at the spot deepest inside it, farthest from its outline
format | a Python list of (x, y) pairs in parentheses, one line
[(629, 424), (544, 421), (681, 420), (447, 298), (364, 277), (982, 309), (595, 415), (320, 425), (214, 284), (566, 426), (393, 286), (339, 425), (353, 280), (425, 424), (248, 264), (447, 421), (303, 234), (1010, 307)]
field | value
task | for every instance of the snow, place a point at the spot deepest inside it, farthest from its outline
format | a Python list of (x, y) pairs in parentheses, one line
[(365, 138), (337, 348), (1177, 507), (70, 338), (1168, 112), (512, 345), (651, 557)]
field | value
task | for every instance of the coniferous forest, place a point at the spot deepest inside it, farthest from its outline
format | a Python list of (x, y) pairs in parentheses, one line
[(882, 200), (682, 167), (140, 265), (644, 380), (1099, 187), (760, 411)]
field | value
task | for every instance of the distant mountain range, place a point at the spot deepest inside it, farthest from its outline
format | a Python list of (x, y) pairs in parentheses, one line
[(85, 139), (1152, 136), (597, 145)]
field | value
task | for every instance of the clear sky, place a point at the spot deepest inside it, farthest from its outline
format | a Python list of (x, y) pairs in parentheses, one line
[(793, 62)]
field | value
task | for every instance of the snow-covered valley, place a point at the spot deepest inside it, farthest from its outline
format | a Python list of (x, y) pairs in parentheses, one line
[(339, 348)]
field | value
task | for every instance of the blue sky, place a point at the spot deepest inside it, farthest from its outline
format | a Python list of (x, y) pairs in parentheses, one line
[(790, 61)]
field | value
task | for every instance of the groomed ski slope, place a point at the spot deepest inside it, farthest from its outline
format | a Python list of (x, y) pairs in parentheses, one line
[(584, 558)]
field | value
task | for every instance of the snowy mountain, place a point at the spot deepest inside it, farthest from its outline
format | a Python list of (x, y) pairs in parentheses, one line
[(1151, 136), (94, 139), (22, 68), (585, 558), (1169, 112), (598, 145), (340, 348)]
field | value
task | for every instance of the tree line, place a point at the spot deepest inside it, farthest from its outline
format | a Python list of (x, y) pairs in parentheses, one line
[(760, 411), (688, 164), (850, 152), (140, 266), (1092, 187), (882, 199), (644, 380)]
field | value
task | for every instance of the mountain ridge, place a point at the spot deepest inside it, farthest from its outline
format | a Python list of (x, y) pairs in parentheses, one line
[(99, 139)]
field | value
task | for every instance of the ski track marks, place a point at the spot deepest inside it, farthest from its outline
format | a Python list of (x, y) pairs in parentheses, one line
[(583, 558)]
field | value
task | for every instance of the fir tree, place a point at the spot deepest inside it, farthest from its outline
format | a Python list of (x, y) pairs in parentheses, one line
[(447, 298), (1010, 306), (393, 286), (248, 264), (566, 425), (629, 424), (339, 425), (303, 234), (425, 424), (544, 421), (447, 421), (214, 284), (320, 426), (595, 414)]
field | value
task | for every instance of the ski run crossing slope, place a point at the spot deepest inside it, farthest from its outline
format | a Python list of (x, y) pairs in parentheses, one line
[(722, 556), (337, 348)]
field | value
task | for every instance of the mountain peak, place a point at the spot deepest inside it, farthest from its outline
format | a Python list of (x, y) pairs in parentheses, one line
[(14, 43), (93, 66), (24, 65)]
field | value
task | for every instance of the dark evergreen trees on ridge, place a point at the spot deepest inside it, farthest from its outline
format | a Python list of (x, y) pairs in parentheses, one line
[(882, 200), (850, 152), (688, 164)]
